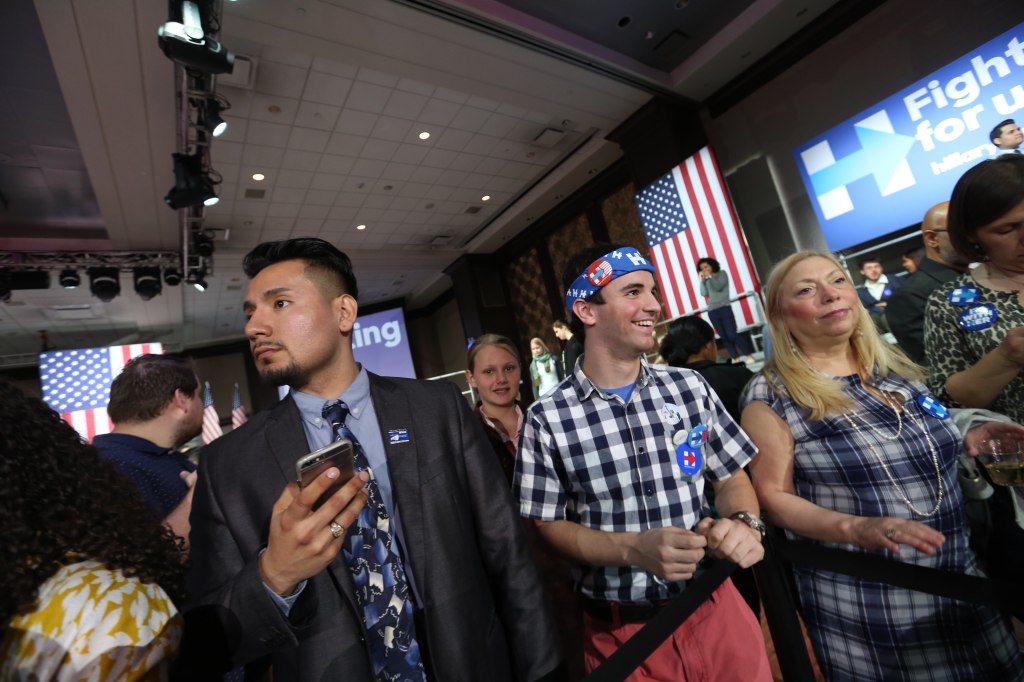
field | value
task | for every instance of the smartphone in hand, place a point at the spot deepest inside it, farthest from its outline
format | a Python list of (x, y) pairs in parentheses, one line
[(338, 454)]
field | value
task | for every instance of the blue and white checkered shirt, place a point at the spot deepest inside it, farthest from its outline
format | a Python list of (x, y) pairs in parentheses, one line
[(588, 457)]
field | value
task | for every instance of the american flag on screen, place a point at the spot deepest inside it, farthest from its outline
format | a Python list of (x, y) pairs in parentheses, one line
[(211, 422), (687, 215), (76, 383), (238, 415)]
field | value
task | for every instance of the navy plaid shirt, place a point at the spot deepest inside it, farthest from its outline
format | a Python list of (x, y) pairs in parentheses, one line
[(588, 457)]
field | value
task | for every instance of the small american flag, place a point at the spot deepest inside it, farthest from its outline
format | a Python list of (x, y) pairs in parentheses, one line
[(211, 422), (238, 415), (76, 383), (686, 215)]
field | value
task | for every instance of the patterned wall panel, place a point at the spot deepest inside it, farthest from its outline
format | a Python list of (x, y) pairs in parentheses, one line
[(622, 219), (564, 242), (529, 299)]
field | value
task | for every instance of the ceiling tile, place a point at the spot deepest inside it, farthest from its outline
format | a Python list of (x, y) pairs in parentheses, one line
[(334, 68), (281, 80), (301, 60), (304, 227), (269, 134), (393, 218), (277, 210), (276, 224), (320, 197), (465, 162), (315, 211), (262, 157), (344, 144), (236, 129), (511, 110), (451, 95), (377, 77), (293, 178), (498, 125), (288, 195), (228, 152), (343, 214), (377, 201), (251, 207), (470, 119), (368, 168), (327, 181), (337, 165), (317, 116), (410, 153), (425, 174), (324, 88), (405, 105), (453, 140), (393, 129), (438, 112), (240, 100), (349, 199), (482, 103), (414, 189), (405, 203), (296, 160), (367, 97), (439, 158), (398, 171), (355, 122), (308, 140), (380, 150), (414, 86), (452, 177), (490, 166), (273, 109), (228, 172)]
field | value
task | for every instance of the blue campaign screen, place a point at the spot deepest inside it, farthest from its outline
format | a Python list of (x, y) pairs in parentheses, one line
[(882, 169)]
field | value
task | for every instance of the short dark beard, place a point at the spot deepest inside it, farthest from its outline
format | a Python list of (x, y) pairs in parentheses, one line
[(292, 375)]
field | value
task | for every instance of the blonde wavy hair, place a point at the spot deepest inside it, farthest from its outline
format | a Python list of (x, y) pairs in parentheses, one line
[(788, 370)]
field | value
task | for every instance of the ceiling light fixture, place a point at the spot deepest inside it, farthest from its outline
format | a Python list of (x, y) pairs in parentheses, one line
[(191, 185), (424, 135), (203, 244), (147, 282), (186, 42), (172, 277), (210, 118), (360, 227), (259, 177), (105, 283), (69, 279), (486, 197), (198, 280)]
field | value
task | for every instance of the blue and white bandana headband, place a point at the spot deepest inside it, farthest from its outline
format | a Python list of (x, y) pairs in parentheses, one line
[(606, 268)]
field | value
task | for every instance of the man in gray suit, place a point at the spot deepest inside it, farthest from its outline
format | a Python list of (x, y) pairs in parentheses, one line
[(270, 583)]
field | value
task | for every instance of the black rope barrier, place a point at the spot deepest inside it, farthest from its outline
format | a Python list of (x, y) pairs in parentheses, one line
[(637, 648)]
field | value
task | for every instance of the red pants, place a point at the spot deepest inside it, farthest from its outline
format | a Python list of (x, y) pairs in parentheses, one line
[(720, 642)]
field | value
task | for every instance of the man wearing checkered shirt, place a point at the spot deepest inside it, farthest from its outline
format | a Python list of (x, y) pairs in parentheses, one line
[(612, 466)]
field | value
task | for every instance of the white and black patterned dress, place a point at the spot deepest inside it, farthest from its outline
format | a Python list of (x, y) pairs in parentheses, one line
[(866, 630)]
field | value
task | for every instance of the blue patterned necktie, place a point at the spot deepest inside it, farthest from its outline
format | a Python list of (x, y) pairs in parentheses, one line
[(381, 588)]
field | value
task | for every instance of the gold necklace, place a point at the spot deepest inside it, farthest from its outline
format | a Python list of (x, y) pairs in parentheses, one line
[(932, 448)]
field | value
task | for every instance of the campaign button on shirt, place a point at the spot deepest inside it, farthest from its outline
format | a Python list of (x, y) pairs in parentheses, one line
[(690, 460), (932, 406), (698, 436), (962, 296), (670, 414), (978, 317)]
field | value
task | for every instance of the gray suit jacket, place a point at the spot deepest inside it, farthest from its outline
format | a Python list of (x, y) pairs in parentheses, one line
[(483, 617)]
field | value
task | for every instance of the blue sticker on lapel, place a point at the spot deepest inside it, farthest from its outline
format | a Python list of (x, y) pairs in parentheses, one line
[(932, 406), (886, 292), (398, 436), (962, 296), (978, 317), (698, 436), (690, 460)]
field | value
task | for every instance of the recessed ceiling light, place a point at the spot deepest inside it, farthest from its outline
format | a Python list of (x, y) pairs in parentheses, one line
[(424, 135), (486, 197), (258, 177), (360, 227)]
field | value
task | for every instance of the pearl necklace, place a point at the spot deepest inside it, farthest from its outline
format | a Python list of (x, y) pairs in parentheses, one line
[(932, 448)]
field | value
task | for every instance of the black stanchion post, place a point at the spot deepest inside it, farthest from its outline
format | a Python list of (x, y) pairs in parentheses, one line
[(780, 611)]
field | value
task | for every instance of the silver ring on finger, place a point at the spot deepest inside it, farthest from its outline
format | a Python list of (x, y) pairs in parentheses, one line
[(337, 530), (890, 533)]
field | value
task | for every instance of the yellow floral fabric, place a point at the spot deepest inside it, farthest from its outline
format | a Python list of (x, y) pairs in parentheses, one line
[(92, 623)]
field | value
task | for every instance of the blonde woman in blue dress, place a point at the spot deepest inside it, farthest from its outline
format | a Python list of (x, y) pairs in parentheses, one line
[(855, 454)]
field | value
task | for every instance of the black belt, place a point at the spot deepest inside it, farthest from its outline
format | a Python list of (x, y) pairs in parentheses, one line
[(623, 612)]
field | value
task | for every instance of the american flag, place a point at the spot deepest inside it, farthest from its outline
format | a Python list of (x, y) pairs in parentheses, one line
[(211, 422), (238, 415), (687, 215), (76, 383)]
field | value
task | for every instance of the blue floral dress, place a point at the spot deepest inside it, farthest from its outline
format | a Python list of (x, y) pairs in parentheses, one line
[(866, 630)]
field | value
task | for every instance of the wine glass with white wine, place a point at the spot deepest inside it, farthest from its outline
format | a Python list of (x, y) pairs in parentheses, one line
[(1003, 459)]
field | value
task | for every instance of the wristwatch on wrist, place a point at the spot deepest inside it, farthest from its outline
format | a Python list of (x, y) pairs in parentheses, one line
[(751, 520)]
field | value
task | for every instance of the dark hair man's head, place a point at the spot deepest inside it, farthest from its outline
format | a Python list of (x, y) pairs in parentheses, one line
[(325, 263), (686, 337), (147, 384), (871, 268), (1006, 135)]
